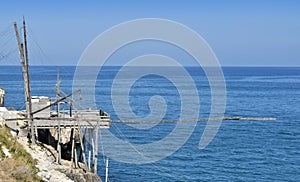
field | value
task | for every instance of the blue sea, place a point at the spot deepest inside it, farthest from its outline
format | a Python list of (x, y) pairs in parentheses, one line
[(240, 151)]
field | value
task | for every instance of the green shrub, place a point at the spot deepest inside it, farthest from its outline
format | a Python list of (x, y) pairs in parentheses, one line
[(21, 166)]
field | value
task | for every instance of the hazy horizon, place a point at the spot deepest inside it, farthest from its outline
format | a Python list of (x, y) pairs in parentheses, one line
[(255, 33)]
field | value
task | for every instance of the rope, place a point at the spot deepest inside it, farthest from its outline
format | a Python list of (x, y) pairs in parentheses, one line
[(193, 120)]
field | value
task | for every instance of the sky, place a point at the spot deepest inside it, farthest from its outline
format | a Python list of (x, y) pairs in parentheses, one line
[(241, 33)]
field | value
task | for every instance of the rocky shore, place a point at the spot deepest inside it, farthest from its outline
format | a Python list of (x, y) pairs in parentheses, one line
[(44, 157), (49, 170)]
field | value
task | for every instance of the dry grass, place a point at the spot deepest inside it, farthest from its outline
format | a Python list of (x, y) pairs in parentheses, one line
[(21, 166)]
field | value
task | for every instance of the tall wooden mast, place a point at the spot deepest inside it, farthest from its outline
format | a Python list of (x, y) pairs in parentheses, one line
[(25, 72)]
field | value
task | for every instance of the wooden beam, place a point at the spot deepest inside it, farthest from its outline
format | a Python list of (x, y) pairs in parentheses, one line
[(30, 118), (82, 145), (90, 149), (58, 159), (26, 85), (96, 149)]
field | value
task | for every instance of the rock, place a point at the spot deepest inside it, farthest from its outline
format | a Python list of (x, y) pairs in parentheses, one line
[(6, 152), (51, 171), (79, 176), (48, 176), (65, 135), (2, 122)]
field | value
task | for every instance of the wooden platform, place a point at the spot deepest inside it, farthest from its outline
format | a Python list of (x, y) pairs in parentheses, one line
[(53, 123), (78, 119)]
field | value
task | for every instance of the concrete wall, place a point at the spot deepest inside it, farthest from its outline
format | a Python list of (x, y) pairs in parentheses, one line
[(39, 102)]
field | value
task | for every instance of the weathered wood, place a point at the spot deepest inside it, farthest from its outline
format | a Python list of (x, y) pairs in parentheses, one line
[(58, 95), (93, 148), (89, 149), (82, 145), (22, 59), (44, 124), (76, 160), (106, 170), (96, 149), (30, 117), (58, 160), (74, 147), (26, 81), (58, 115), (73, 144)]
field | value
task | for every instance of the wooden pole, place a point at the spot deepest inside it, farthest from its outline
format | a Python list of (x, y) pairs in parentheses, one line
[(84, 138), (75, 156), (30, 116), (89, 149), (58, 94), (106, 170), (72, 151), (96, 149), (58, 114), (82, 146), (25, 78), (20, 45), (58, 159), (93, 149)]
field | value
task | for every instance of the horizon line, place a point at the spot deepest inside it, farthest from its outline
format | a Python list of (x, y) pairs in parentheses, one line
[(72, 65)]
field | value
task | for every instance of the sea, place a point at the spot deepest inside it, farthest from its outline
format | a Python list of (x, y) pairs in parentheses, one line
[(241, 150)]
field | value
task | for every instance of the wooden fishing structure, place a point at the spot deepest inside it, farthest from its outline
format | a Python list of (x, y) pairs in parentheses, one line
[(40, 115)]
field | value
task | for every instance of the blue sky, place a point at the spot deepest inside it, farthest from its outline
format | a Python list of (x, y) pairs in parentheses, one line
[(241, 33)]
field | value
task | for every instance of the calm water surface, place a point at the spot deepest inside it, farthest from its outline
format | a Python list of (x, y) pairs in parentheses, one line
[(241, 151)]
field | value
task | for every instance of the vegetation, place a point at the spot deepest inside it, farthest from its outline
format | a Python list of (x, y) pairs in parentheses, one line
[(20, 166)]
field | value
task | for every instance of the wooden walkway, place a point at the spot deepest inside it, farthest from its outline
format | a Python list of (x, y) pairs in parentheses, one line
[(44, 123), (78, 119)]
